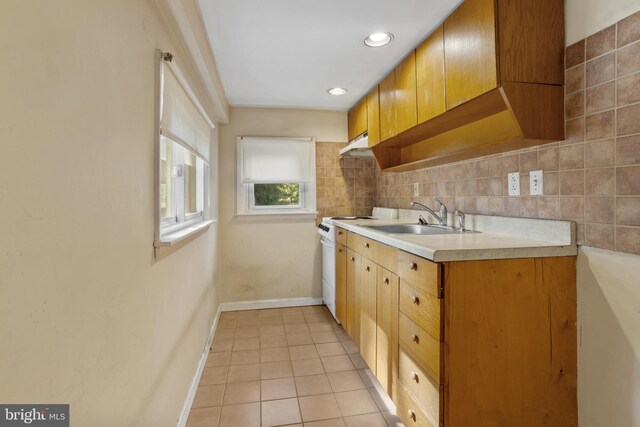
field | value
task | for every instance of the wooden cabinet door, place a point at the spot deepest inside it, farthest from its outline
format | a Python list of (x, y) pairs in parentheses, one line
[(353, 295), (470, 51), (406, 111), (368, 271), (373, 116), (341, 283), (386, 335), (387, 91), (357, 119), (430, 98)]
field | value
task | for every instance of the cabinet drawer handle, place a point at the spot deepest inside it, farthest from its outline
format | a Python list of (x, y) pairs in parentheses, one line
[(386, 280), (416, 300), (414, 266), (412, 414), (368, 269), (366, 245), (353, 258), (415, 338), (415, 377)]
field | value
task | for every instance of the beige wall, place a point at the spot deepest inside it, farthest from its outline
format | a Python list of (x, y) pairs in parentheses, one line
[(277, 258), (86, 315), (609, 342), (585, 17)]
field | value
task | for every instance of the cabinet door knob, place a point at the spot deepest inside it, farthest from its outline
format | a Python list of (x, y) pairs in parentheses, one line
[(339, 232), (415, 338), (353, 258), (368, 269), (414, 266), (415, 377), (416, 300), (412, 414), (339, 250), (386, 280), (366, 245)]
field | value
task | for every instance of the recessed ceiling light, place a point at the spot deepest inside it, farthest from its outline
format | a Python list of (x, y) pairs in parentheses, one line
[(336, 91), (378, 39)]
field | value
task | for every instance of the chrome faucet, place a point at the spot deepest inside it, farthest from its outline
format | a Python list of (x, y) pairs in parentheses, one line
[(441, 217)]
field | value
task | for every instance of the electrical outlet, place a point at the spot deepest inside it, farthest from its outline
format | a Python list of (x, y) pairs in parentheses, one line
[(416, 189), (535, 183), (514, 184)]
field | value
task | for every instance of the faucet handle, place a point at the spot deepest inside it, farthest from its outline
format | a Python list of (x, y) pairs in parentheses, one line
[(440, 202), (443, 211), (459, 218)]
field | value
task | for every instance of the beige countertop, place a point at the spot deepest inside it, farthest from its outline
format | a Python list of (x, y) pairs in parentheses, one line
[(515, 239)]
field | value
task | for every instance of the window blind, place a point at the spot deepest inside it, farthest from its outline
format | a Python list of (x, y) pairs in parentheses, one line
[(180, 119), (276, 160)]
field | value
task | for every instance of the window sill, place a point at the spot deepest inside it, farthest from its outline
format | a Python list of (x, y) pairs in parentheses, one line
[(276, 216), (171, 242)]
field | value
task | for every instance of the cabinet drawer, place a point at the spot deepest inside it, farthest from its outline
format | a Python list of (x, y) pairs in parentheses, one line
[(420, 345), (424, 388), (368, 248), (421, 307), (341, 236), (420, 272), (409, 411)]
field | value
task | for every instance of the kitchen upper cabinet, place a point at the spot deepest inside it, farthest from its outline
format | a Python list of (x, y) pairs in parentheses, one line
[(489, 80), (398, 110), (357, 119), (430, 83), (368, 272), (341, 283), (470, 51), (387, 89), (531, 41), (373, 116), (405, 102)]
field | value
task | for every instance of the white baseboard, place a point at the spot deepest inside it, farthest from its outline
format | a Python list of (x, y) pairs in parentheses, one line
[(182, 421), (269, 303)]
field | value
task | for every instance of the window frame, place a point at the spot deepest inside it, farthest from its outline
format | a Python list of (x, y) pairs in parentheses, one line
[(172, 230), (245, 196)]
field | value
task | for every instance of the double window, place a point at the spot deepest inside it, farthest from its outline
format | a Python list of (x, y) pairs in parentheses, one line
[(184, 145), (276, 175)]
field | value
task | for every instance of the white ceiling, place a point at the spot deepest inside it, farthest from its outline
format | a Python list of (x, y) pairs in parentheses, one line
[(287, 53)]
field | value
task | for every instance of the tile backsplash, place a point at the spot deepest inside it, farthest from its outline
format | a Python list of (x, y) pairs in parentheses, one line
[(345, 185), (593, 177)]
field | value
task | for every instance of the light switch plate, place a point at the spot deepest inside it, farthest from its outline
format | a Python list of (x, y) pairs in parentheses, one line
[(514, 184), (535, 183), (416, 189)]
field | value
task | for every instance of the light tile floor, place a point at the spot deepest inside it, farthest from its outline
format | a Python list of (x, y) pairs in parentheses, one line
[(287, 367)]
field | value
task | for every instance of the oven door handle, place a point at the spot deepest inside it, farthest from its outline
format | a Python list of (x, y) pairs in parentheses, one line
[(326, 242)]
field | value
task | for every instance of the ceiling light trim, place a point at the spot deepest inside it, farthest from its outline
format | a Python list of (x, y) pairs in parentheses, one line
[(378, 39)]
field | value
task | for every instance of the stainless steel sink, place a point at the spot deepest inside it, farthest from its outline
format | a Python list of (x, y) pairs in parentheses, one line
[(416, 229)]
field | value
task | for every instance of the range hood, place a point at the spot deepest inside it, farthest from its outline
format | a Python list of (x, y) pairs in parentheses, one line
[(359, 147)]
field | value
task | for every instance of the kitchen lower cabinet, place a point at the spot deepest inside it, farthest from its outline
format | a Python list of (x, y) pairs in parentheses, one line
[(478, 342), (368, 276), (354, 260), (387, 328)]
